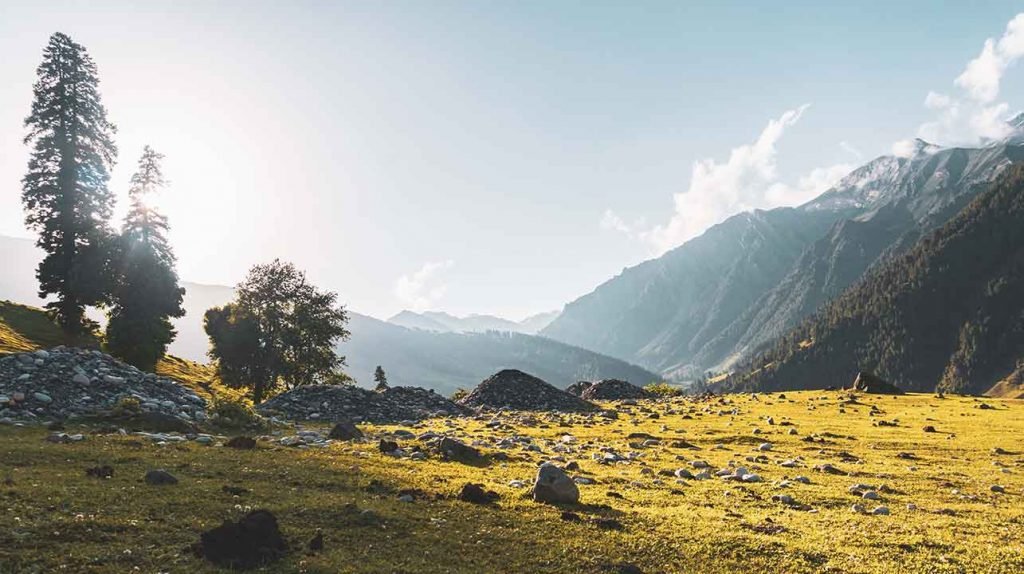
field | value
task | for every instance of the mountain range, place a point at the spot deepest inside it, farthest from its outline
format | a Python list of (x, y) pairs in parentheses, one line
[(441, 322), (945, 314), (440, 359), (723, 296)]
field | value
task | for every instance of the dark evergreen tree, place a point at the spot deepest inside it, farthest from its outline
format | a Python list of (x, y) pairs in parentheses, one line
[(65, 191), (380, 378), (146, 294), (279, 332)]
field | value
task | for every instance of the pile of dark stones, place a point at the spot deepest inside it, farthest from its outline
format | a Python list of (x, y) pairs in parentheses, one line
[(516, 390), (613, 390), (66, 383), (346, 402)]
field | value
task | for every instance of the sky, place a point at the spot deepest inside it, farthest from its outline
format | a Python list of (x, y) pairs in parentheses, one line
[(501, 157)]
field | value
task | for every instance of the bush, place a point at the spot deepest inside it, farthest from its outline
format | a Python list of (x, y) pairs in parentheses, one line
[(235, 413), (126, 406), (663, 390)]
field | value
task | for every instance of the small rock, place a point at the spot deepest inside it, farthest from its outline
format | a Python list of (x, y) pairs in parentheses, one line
[(241, 443), (160, 477), (475, 493), (345, 430)]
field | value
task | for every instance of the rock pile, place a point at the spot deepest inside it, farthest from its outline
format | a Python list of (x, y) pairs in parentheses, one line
[(517, 390), (868, 383), (346, 402), (614, 390), (65, 382), (577, 388)]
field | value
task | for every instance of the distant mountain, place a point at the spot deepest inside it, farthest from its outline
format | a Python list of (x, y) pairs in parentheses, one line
[(446, 323), (447, 361), (947, 314), (722, 296), (443, 361)]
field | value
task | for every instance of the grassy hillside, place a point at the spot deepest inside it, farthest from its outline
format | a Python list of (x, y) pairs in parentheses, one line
[(946, 314), (24, 328), (58, 519)]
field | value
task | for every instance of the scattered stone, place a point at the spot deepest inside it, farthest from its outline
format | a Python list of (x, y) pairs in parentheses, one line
[(387, 446), (929, 428), (252, 542), (881, 511), (554, 486), (998, 488)]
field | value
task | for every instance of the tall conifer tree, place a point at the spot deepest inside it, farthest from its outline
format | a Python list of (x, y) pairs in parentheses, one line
[(65, 191), (146, 295)]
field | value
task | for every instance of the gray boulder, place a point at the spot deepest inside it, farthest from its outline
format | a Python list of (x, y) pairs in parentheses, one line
[(554, 486)]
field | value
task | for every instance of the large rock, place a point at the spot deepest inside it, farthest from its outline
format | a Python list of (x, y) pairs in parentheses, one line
[(452, 449), (554, 486), (519, 391), (345, 430), (869, 383), (253, 541), (613, 390), (341, 402)]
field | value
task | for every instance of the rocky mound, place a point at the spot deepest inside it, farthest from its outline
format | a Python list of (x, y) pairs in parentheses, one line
[(519, 391), (868, 383), (340, 402), (576, 389), (64, 382), (613, 390)]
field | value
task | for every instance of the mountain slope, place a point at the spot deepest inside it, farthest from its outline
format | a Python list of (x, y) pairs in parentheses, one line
[(721, 296), (446, 323), (442, 361), (447, 361), (947, 314)]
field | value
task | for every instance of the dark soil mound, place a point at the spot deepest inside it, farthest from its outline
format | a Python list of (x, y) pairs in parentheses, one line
[(253, 541), (868, 383), (614, 390), (519, 391), (345, 402)]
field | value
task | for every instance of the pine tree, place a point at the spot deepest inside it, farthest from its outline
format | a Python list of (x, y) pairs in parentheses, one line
[(146, 295), (65, 191), (380, 378)]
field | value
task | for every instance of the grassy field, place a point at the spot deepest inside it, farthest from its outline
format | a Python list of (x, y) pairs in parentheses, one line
[(57, 519)]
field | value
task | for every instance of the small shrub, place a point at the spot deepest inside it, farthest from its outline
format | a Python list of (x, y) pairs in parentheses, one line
[(126, 406), (234, 413), (664, 390)]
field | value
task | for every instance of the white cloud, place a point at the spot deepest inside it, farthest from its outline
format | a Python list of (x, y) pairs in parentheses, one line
[(747, 180), (420, 290), (974, 115)]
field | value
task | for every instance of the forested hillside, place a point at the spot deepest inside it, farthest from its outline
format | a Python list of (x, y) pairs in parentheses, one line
[(720, 297), (947, 314)]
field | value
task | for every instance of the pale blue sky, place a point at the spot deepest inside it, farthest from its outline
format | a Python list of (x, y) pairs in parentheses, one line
[(520, 152)]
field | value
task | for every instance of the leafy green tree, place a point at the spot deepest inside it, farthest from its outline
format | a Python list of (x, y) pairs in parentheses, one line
[(65, 193), (380, 378), (280, 332), (146, 294)]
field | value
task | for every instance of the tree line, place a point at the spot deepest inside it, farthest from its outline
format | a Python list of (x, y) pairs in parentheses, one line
[(280, 330)]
